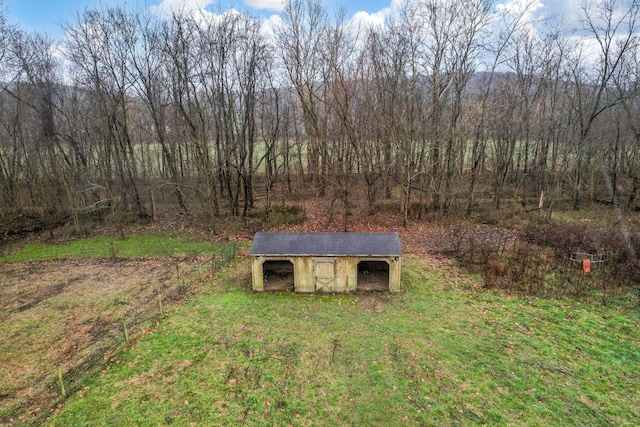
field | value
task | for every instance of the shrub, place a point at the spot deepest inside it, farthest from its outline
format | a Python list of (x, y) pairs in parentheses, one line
[(540, 263), (283, 215)]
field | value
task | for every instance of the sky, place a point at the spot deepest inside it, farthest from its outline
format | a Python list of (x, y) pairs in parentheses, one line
[(50, 16)]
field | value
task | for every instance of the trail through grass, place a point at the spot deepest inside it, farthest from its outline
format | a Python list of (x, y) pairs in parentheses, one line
[(434, 355)]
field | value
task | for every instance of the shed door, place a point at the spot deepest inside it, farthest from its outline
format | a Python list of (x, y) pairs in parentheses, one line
[(324, 272)]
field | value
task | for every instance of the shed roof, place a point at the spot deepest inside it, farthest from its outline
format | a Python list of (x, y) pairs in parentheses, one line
[(323, 244)]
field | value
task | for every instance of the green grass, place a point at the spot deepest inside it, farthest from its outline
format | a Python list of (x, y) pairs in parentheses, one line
[(142, 245), (434, 355)]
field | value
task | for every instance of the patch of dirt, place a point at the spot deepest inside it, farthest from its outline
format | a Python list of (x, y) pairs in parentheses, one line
[(278, 282), (371, 301)]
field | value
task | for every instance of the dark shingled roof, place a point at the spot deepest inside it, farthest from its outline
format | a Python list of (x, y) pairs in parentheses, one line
[(363, 244)]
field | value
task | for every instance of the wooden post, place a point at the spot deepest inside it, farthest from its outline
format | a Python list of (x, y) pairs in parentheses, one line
[(153, 205), (61, 382), (126, 333), (541, 202)]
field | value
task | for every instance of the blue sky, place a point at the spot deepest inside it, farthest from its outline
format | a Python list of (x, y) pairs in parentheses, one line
[(49, 15)]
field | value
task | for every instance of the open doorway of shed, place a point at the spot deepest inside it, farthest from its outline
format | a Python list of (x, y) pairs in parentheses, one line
[(278, 275), (373, 276)]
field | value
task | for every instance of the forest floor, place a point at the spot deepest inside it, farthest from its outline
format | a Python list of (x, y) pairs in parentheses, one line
[(436, 239)]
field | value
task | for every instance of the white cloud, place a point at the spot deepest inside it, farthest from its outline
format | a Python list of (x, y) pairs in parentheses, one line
[(266, 4), (567, 11), (270, 25), (195, 9), (167, 8), (529, 12), (364, 19)]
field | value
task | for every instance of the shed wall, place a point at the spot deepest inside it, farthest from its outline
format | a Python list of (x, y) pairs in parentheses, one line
[(346, 272)]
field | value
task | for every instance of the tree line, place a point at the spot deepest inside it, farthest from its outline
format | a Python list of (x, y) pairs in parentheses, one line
[(446, 103)]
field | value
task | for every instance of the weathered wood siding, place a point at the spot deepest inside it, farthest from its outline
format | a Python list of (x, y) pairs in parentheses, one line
[(311, 274)]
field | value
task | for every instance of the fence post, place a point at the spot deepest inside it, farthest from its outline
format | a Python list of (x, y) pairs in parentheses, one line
[(126, 333), (61, 382)]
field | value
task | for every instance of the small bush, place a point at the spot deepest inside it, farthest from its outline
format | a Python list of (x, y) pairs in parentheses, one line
[(80, 230), (283, 215)]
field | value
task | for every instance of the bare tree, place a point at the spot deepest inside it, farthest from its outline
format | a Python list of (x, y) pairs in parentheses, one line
[(7, 149), (301, 44), (612, 26), (184, 62), (148, 77), (506, 24), (98, 47)]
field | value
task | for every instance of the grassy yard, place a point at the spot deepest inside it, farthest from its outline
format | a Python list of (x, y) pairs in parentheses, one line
[(434, 355)]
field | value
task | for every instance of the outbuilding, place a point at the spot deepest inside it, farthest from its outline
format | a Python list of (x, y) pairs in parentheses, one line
[(326, 262)]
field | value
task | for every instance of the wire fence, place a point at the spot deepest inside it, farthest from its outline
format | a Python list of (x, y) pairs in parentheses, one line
[(112, 335)]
